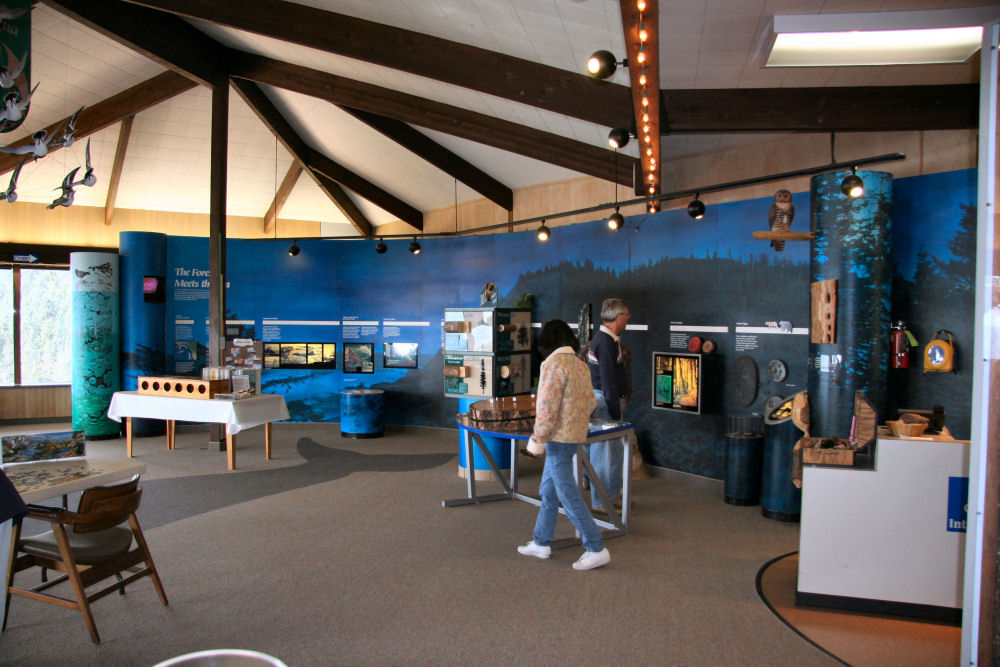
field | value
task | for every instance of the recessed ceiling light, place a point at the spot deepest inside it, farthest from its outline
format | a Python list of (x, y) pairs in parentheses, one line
[(877, 38)]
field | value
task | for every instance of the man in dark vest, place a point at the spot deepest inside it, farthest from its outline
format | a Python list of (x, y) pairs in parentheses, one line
[(609, 379)]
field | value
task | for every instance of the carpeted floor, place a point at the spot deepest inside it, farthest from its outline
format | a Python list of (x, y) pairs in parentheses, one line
[(339, 551)]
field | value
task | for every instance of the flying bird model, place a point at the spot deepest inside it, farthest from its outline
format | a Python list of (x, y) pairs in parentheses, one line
[(89, 179), (10, 194), (68, 131), (14, 105), (13, 69), (39, 146), (66, 198)]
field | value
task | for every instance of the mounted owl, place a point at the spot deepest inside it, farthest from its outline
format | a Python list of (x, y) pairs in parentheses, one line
[(779, 218)]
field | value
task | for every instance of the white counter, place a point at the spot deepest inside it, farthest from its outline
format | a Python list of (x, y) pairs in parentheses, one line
[(890, 539)]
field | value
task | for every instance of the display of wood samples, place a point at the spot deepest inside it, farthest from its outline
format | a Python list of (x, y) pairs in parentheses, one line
[(181, 387), (824, 311), (487, 351), (510, 414)]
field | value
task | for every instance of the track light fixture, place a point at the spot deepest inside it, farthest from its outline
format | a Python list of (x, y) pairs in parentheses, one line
[(543, 232), (616, 221), (414, 246), (381, 247), (853, 186), (618, 137), (696, 209), (602, 64), (293, 249)]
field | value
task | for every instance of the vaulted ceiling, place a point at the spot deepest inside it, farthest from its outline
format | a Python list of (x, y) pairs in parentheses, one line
[(358, 113)]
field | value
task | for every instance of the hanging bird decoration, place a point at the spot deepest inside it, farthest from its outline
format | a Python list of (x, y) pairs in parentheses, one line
[(68, 132), (38, 147), (89, 179), (779, 218), (12, 71), (15, 106), (8, 14), (66, 198), (10, 194)]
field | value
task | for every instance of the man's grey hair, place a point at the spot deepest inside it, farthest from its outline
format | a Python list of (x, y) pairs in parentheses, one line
[(612, 308)]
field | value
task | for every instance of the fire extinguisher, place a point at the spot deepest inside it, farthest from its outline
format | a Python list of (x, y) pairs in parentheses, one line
[(900, 341)]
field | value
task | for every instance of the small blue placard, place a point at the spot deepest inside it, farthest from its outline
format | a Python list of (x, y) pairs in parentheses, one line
[(958, 504)]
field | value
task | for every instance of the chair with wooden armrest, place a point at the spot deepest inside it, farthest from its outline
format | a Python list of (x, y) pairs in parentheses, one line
[(88, 546)]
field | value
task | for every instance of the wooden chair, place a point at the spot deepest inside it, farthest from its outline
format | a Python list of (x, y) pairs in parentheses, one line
[(88, 546)]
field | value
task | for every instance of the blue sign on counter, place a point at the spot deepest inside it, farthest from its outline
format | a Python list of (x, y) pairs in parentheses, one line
[(958, 504)]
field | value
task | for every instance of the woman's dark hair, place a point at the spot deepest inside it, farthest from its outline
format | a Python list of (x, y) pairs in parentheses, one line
[(556, 334)]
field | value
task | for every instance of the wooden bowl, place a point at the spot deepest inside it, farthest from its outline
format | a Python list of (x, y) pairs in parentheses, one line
[(905, 430)]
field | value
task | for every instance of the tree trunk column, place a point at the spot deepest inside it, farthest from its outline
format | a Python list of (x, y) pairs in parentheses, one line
[(852, 246)]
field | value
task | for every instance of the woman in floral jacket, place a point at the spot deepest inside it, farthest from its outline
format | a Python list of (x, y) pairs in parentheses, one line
[(563, 405)]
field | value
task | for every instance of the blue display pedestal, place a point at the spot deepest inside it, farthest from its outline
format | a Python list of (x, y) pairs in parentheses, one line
[(499, 449), (362, 413), (780, 500)]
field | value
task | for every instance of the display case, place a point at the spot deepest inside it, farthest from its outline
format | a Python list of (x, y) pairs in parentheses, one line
[(487, 352)]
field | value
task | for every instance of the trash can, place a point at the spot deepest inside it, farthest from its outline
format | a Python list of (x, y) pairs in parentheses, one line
[(362, 413), (744, 452), (780, 499)]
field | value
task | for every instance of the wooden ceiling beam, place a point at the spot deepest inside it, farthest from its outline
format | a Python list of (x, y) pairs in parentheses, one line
[(528, 82), (290, 139), (169, 40), (439, 156), (840, 109), (281, 196), (644, 75), (116, 168), (339, 197), (110, 111), (477, 127)]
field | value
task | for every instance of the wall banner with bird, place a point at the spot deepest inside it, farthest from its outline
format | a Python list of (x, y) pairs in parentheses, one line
[(15, 63)]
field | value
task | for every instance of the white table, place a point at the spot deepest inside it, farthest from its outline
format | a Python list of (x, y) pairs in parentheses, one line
[(235, 415)]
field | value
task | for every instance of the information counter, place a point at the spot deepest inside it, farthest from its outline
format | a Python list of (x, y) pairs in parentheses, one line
[(889, 538)]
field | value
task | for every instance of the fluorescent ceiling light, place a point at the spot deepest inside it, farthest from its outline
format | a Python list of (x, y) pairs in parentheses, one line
[(879, 38)]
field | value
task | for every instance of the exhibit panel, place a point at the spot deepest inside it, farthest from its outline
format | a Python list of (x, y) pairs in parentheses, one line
[(890, 539)]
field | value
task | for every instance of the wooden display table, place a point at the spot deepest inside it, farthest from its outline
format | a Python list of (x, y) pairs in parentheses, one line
[(235, 415)]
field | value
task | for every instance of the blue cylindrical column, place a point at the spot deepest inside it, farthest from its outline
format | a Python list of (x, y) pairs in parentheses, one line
[(96, 346), (143, 267), (852, 246), (499, 449), (362, 413)]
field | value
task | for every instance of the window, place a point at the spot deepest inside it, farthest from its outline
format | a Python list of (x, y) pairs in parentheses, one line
[(41, 353)]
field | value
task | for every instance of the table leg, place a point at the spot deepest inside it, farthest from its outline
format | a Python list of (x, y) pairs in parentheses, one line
[(128, 437), (171, 433), (267, 441), (231, 449)]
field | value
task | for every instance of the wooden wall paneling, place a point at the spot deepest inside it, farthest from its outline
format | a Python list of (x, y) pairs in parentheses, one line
[(37, 402)]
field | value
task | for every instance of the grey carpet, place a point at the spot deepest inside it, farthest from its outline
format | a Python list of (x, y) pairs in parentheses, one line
[(365, 567)]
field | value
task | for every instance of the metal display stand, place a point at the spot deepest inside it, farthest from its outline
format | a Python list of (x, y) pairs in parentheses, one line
[(615, 525)]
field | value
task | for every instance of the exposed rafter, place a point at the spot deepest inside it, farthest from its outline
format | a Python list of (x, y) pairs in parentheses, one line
[(293, 143), (116, 168), (483, 129), (644, 75), (439, 156), (281, 195), (542, 86), (112, 110)]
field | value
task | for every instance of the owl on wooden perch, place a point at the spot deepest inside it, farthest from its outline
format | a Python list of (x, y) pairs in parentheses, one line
[(779, 218)]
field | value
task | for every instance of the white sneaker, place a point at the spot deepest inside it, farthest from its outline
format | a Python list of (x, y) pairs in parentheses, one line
[(532, 549), (591, 559)]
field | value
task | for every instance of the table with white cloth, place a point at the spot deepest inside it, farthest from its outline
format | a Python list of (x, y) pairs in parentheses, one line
[(234, 415), (616, 523)]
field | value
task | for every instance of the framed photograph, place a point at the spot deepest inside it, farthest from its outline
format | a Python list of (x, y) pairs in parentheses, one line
[(399, 355), (272, 355), (677, 381), (359, 357), (293, 355)]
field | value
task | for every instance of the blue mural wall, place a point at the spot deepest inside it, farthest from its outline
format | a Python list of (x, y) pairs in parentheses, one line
[(682, 278)]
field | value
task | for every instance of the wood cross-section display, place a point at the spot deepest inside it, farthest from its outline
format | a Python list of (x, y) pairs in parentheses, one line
[(824, 311), (783, 236)]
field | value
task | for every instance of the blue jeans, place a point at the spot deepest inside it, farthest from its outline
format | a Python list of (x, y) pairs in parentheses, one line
[(559, 486), (606, 457)]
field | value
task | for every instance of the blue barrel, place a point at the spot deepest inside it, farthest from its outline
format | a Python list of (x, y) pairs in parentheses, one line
[(744, 458), (362, 413), (780, 500), (499, 449)]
